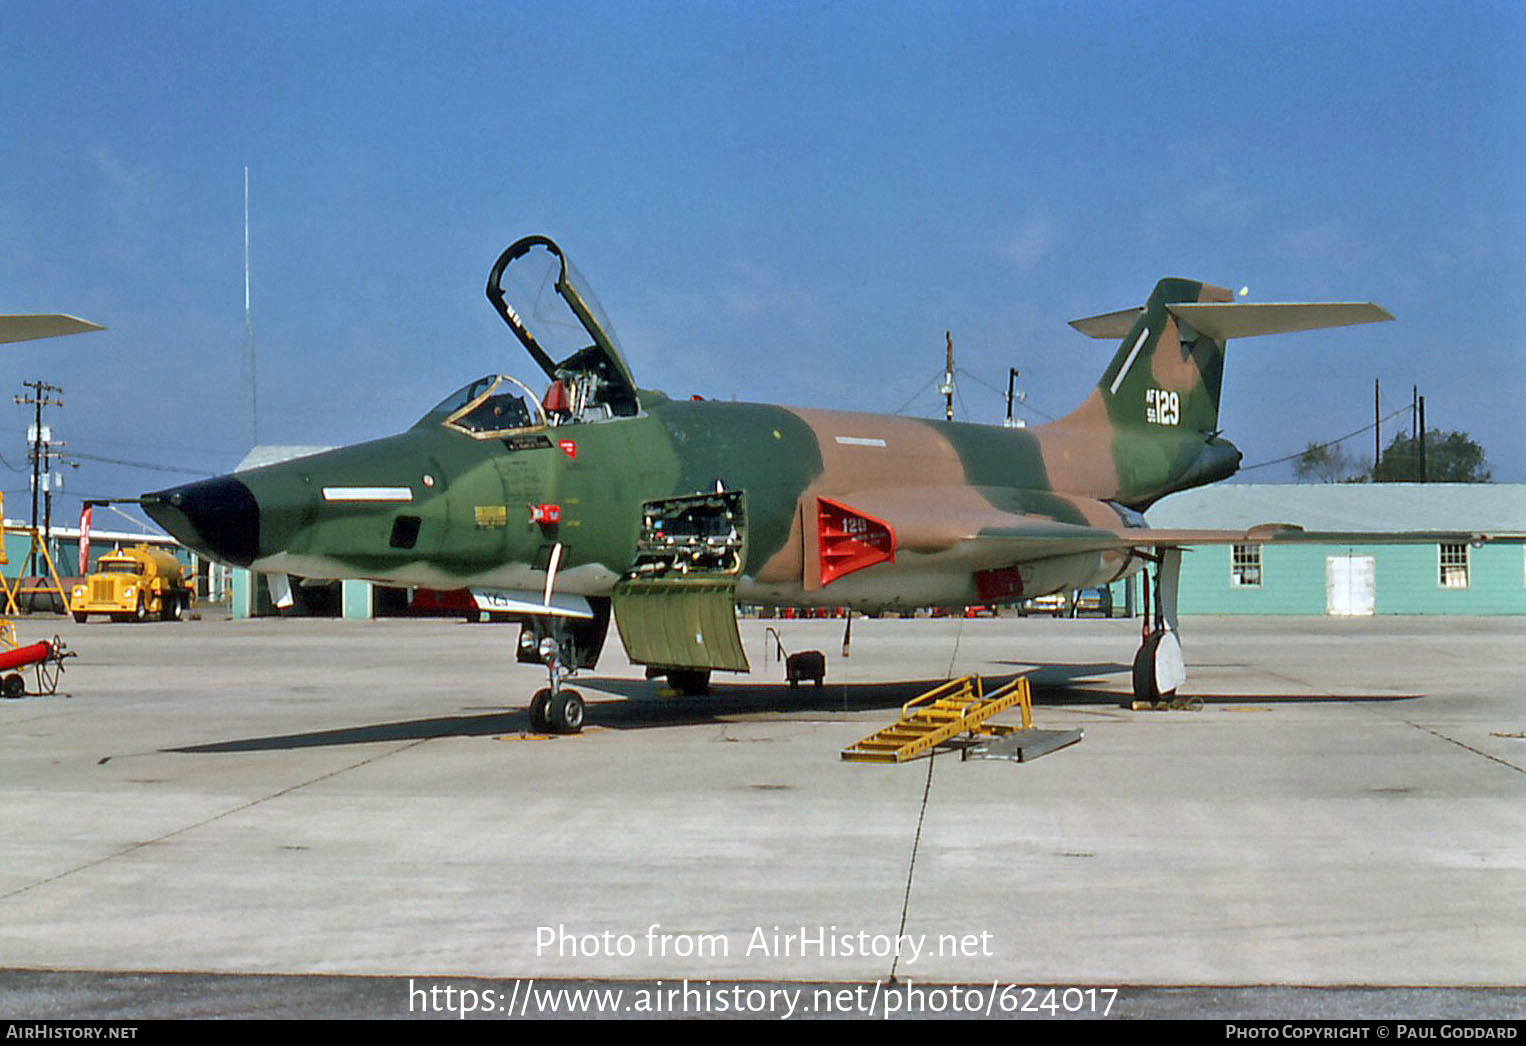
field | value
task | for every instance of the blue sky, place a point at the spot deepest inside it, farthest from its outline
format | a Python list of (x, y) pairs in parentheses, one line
[(775, 201)]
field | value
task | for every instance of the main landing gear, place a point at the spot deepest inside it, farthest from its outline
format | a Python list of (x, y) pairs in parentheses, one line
[(1158, 666), (685, 682)]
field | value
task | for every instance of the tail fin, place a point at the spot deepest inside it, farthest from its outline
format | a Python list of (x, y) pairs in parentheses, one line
[(1165, 372), (1169, 367)]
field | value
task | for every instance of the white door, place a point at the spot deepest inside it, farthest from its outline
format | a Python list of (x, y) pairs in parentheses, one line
[(1350, 585)]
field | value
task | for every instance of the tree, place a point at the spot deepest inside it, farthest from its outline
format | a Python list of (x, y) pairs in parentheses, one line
[(1329, 463), (1450, 457)]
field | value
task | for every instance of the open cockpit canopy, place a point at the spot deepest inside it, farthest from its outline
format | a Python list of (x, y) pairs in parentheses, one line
[(492, 406), (547, 305)]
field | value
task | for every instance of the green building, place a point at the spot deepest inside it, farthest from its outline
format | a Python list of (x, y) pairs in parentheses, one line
[(1474, 577)]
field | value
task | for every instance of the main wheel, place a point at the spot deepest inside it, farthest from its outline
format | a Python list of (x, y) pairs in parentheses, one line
[(690, 682), (1145, 686), (565, 712), (80, 616), (174, 608), (538, 721), (141, 612)]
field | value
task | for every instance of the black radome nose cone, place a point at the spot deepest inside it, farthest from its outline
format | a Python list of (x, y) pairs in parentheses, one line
[(216, 518)]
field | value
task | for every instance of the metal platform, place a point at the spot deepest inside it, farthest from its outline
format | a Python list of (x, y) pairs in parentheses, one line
[(1023, 746)]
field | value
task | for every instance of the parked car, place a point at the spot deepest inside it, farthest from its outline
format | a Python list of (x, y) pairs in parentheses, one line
[(1056, 605), (1094, 601)]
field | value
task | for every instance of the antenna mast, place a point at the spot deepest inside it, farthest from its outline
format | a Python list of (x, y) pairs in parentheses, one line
[(254, 419)]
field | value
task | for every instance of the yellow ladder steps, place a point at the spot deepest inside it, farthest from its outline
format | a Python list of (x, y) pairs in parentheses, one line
[(943, 713)]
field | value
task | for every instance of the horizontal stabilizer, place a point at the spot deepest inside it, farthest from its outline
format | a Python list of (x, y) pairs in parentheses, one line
[(1224, 320), (45, 325), (1113, 325)]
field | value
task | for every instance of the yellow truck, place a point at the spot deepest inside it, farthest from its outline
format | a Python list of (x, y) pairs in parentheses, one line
[(133, 584)]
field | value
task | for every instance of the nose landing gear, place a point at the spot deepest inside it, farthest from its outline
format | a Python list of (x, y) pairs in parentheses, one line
[(555, 709), (563, 643)]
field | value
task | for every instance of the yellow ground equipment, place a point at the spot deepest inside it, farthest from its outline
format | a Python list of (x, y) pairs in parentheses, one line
[(943, 713), (134, 584), (961, 706), (45, 658)]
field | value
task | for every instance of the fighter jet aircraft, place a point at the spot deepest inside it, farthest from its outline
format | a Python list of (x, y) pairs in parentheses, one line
[(597, 496)]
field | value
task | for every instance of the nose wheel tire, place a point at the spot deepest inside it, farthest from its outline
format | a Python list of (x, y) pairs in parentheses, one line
[(558, 713), (538, 721), (565, 712)]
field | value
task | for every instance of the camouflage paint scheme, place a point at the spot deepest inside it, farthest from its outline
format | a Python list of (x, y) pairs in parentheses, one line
[(978, 513)]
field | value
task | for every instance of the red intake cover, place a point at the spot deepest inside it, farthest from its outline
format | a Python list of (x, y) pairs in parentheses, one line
[(997, 585), (850, 540)]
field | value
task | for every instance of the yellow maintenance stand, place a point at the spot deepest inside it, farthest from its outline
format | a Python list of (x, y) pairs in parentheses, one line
[(957, 707), (20, 588)]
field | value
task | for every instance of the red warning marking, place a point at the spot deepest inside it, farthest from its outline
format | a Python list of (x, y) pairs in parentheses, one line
[(850, 540), (569, 448)]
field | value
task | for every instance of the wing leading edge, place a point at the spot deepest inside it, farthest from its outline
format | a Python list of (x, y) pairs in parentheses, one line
[(961, 527)]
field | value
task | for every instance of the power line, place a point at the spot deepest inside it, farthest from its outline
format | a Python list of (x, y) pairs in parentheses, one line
[(1026, 405), (159, 446), (140, 464), (916, 394), (1328, 443)]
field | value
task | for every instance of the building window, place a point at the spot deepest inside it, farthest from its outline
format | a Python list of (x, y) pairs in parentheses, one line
[(1454, 566), (1245, 566)]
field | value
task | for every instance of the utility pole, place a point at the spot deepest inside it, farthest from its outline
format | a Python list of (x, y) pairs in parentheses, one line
[(1013, 395), (39, 437), (51, 481), (947, 388), (1377, 428), (1423, 471), (1414, 432)]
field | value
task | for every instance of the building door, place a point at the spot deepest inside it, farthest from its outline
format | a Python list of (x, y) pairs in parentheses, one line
[(1350, 585)]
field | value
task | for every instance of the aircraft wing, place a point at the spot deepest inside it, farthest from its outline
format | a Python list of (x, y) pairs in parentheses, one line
[(1261, 534), (42, 325), (961, 526)]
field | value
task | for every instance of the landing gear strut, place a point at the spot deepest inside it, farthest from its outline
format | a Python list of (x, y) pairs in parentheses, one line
[(556, 709), (564, 641), (1158, 666)]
